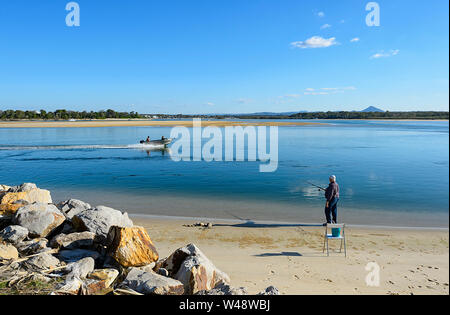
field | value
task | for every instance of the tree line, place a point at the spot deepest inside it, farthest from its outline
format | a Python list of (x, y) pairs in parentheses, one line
[(426, 115), (62, 114)]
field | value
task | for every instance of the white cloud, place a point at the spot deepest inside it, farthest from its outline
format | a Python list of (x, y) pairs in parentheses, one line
[(315, 42), (328, 90), (244, 100), (383, 54), (321, 14), (316, 93), (325, 26), (291, 96), (210, 104), (354, 40)]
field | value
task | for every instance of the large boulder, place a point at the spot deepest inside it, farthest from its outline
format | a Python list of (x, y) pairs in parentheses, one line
[(71, 286), (152, 283), (131, 247), (34, 246), (99, 220), (72, 207), (18, 196), (7, 251), (108, 275), (4, 188), (99, 282), (14, 234), (39, 218), (95, 287), (22, 188), (9, 209), (73, 240), (81, 268), (43, 261), (69, 256), (190, 266)]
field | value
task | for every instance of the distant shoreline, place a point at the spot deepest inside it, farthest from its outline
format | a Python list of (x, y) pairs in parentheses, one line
[(144, 123)]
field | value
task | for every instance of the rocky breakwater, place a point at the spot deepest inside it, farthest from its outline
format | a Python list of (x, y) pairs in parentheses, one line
[(95, 251)]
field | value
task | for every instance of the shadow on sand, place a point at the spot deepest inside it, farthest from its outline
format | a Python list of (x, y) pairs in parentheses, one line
[(252, 224), (288, 254)]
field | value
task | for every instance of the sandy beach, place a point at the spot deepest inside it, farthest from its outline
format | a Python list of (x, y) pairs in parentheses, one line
[(144, 123), (291, 258)]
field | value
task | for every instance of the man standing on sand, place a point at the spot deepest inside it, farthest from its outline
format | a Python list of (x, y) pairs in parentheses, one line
[(332, 196)]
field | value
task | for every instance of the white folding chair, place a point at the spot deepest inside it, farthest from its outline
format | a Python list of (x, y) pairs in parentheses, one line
[(340, 236)]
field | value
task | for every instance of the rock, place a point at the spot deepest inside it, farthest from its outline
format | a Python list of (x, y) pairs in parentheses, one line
[(41, 278), (95, 287), (10, 209), (270, 291), (77, 254), (73, 240), (81, 268), (5, 221), (163, 272), (43, 261), (111, 263), (99, 282), (147, 268), (67, 228), (22, 188), (14, 234), (4, 188), (7, 252), (71, 286), (152, 283), (190, 266), (131, 246), (224, 289), (99, 220), (39, 218), (32, 247), (72, 207), (108, 275), (17, 197)]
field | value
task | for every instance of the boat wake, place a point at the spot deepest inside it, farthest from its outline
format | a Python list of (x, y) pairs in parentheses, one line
[(81, 147)]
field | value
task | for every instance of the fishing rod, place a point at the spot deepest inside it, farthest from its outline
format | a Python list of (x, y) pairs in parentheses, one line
[(320, 188)]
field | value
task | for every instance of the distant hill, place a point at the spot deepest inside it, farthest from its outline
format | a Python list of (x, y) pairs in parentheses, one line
[(372, 109)]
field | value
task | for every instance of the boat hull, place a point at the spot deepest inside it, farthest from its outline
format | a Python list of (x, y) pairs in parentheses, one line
[(164, 142)]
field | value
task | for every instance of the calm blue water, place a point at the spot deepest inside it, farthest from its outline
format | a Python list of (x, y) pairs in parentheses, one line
[(390, 173)]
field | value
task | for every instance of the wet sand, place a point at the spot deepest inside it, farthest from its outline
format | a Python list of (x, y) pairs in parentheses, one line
[(145, 123), (412, 261)]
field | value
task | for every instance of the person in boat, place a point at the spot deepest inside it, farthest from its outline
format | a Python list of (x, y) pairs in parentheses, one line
[(332, 197)]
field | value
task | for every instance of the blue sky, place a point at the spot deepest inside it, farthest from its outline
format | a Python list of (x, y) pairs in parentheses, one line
[(224, 56)]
